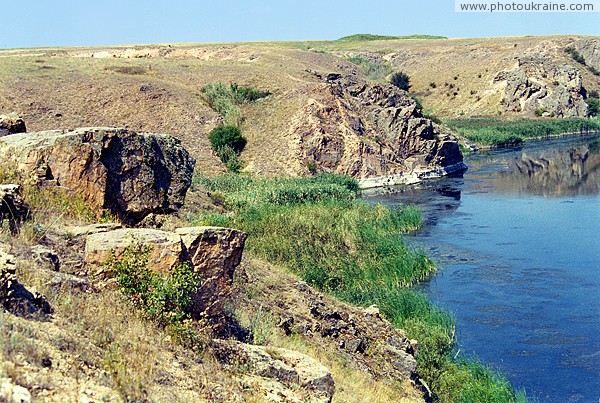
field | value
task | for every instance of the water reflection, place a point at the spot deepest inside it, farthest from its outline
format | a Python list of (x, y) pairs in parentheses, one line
[(520, 272), (559, 172)]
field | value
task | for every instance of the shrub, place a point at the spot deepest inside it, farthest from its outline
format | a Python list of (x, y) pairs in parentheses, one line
[(230, 136), (400, 80), (230, 158), (225, 100), (165, 299), (432, 84), (575, 55), (593, 107), (373, 71)]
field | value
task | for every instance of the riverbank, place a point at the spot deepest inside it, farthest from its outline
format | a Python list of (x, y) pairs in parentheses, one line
[(522, 291), (490, 133), (356, 252)]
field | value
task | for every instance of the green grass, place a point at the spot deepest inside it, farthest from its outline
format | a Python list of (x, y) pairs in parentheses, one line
[(373, 71), (372, 37), (355, 251), (498, 132), (226, 100)]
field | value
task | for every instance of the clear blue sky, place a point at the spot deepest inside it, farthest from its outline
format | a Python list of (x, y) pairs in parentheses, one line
[(36, 23)]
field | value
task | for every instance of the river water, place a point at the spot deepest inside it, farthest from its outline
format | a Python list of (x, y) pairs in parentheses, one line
[(517, 240)]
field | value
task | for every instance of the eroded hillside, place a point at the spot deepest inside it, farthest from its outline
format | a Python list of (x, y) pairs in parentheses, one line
[(304, 121)]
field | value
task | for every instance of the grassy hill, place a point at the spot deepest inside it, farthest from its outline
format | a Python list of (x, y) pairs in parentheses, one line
[(157, 88)]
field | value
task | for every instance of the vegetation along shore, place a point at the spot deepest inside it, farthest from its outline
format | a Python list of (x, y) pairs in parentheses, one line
[(180, 222)]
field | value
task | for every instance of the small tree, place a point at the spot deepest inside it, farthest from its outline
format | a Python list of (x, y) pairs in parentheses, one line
[(400, 80)]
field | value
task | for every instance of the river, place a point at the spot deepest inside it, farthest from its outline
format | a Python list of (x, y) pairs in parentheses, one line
[(517, 241)]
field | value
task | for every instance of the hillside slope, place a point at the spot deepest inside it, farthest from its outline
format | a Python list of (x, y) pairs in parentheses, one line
[(158, 89)]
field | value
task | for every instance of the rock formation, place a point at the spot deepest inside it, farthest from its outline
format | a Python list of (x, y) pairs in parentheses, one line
[(128, 173), (372, 131), (589, 48), (278, 374), (14, 297), (214, 253), (12, 206), (361, 337), (540, 86), (11, 124)]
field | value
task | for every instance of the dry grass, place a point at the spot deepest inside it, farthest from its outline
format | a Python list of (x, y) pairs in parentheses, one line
[(158, 88), (352, 383)]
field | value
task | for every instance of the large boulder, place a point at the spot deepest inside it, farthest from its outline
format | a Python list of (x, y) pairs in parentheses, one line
[(11, 124), (131, 174), (165, 248), (213, 252)]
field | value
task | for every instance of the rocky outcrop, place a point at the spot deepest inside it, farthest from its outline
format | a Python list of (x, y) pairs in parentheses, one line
[(359, 337), (278, 374), (128, 173), (11, 124), (368, 130), (540, 86), (213, 252), (16, 298), (589, 48), (12, 206)]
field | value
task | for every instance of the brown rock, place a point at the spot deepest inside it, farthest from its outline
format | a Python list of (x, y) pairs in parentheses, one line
[(14, 296), (214, 253), (165, 254), (128, 173), (370, 130), (12, 206)]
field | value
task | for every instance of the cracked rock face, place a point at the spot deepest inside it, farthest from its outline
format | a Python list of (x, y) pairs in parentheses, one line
[(281, 375), (540, 86), (366, 130), (131, 174)]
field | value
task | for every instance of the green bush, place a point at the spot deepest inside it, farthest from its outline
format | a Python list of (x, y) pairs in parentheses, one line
[(578, 57), (227, 136), (593, 107), (400, 80), (166, 299)]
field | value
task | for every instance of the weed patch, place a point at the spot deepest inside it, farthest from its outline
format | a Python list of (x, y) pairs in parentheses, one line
[(374, 71)]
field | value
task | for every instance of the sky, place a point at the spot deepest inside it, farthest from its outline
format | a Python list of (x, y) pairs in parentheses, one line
[(44, 23)]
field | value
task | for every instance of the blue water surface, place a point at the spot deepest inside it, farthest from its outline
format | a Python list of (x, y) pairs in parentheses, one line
[(517, 240)]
